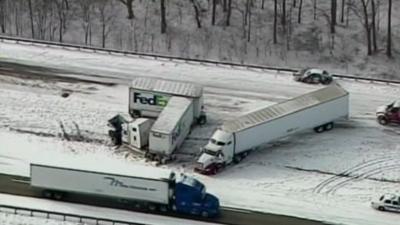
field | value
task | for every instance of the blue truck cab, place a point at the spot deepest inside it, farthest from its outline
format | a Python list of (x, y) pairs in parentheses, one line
[(191, 198)]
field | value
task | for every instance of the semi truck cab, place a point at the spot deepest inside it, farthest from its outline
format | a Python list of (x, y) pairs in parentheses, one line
[(191, 197), (218, 152)]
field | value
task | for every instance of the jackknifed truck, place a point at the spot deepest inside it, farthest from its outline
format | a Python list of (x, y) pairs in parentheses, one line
[(236, 138), (140, 187), (163, 112), (149, 96)]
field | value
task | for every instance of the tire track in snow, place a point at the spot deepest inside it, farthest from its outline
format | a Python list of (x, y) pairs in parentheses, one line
[(357, 171)]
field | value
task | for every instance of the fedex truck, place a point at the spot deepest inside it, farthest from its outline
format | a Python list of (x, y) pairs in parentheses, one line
[(236, 138), (149, 96), (142, 187), (171, 128)]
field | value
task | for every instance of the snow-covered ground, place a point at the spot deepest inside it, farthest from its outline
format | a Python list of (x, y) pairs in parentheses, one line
[(294, 176)]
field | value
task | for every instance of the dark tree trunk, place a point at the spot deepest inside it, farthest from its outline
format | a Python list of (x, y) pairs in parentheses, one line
[(367, 27), (214, 6), (294, 3), (299, 15), (315, 9), (342, 11), (224, 5), (228, 16), (389, 31), (163, 19), (31, 18), (249, 20), (129, 7), (283, 18), (2, 16), (373, 24), (333, 15), (275, 20), (262, 4), (197, 13)]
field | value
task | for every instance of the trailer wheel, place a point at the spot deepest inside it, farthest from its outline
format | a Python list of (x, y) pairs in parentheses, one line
[(328, 126), (204, 214), (58, 195), (47, 194), (152, 207), (319, 129)]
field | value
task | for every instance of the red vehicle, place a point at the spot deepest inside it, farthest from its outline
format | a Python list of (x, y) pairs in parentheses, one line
[(388, 113)]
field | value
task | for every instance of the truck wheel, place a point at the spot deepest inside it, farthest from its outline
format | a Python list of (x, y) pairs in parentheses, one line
[(163, 208), (382, 120), (237, 159), (381, 208), (328, 126), (319, 129), (204, 214)]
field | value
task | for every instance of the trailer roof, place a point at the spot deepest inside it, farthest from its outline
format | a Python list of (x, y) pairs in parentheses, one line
[(284, 108), (168, 87), (171, 114), (107, 166)]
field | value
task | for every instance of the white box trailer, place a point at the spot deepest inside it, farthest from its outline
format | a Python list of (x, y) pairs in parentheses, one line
[(151, 186), (149, 96), (235, 138), (171, 128)]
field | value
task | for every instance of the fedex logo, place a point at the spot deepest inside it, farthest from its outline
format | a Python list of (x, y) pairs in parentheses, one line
[(156, 100)]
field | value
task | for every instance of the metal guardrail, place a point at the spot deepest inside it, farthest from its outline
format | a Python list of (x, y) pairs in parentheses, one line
[(171, 58), (69, 217)]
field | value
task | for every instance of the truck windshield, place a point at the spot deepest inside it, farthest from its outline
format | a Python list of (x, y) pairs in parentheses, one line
[(219, 143)]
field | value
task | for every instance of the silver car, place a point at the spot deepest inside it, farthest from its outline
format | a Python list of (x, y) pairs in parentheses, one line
[(387, 202), (313, 76)]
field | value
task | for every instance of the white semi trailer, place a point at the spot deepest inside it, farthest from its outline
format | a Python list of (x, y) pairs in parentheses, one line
[(140, 187), (171, 128), (149, 96), (236, 138)]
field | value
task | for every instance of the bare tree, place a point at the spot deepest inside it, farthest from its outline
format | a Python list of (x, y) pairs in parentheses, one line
[(62, 11), (3, 16), (105, 9), (214, 6), (283, 16), (373, 26), (299, 14), (129, 7), (163, 17), (86, 9), (367, 27), (31, 18), (248, 10), (275, 20), (342, 11), (229, 12), (333, 15), (389, 30), (196, 8), (315, 9)]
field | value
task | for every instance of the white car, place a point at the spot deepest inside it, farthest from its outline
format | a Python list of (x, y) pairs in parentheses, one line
[(387, 202)]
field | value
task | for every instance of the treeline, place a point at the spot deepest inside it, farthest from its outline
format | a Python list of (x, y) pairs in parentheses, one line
[(230, 29)]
